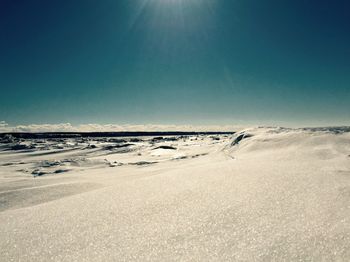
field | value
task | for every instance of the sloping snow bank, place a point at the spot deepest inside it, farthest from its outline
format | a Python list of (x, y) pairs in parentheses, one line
[(307, 143)]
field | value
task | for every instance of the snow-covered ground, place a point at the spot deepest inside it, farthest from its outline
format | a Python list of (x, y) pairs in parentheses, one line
[(263, 194)]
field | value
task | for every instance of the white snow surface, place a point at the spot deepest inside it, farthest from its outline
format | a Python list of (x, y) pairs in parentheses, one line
[(276, 195)]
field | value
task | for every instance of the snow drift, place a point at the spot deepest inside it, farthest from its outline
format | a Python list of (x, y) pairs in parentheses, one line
[(263, 194)]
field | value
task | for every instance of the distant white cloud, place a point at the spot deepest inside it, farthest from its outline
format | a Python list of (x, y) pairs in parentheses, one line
[(67, 127), (43, 128), (3, 124)]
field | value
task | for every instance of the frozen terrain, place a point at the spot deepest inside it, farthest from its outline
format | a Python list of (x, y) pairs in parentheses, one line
[(262, 194)]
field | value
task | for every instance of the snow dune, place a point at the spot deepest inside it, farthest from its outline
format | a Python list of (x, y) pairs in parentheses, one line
[(263, 194)]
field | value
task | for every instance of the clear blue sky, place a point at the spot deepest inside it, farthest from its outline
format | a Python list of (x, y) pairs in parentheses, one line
[(175, 61)]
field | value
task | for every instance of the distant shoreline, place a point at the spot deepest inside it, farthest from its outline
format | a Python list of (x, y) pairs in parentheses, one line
[(43, 135)]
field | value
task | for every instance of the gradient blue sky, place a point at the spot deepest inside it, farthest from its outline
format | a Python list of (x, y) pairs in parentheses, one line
[(175, 62)]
